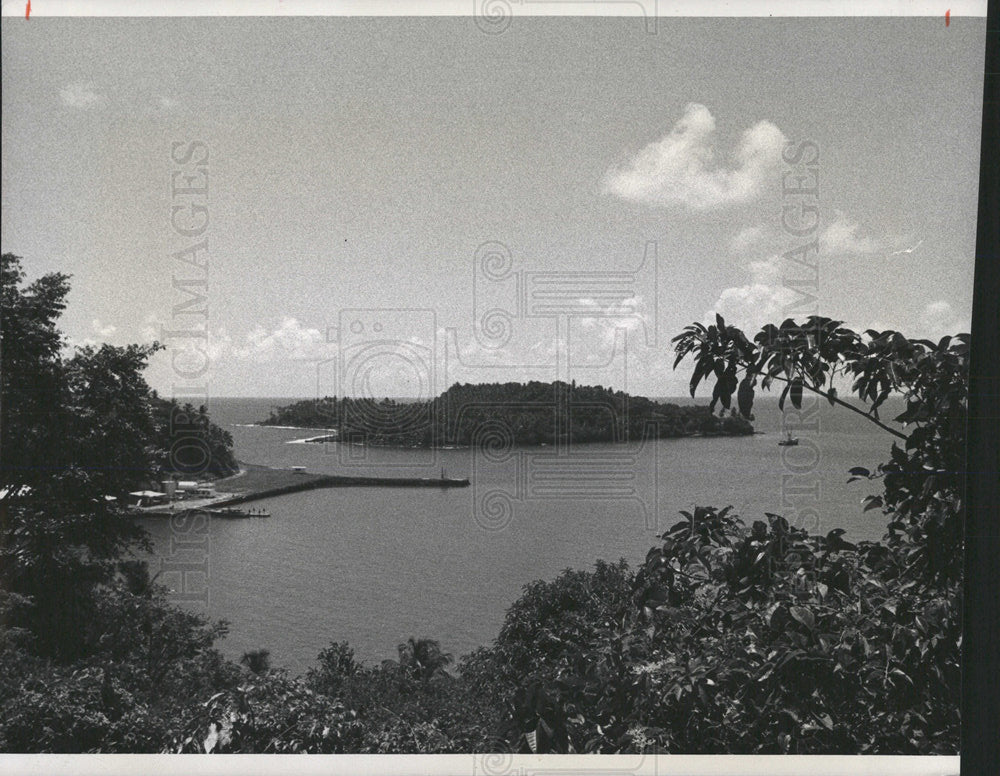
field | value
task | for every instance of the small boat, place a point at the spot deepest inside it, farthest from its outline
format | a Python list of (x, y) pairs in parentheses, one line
[(446, 482), (233, 513), (788, 441)]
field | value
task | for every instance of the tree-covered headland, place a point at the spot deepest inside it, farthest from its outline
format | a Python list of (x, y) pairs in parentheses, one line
[(533, 413)]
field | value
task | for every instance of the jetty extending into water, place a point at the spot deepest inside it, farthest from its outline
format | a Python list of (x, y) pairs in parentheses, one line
[(255, 482)]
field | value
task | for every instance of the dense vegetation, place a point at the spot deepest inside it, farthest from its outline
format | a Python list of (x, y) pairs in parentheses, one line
[(531, 413), (179, 424), (728, 637), (78, 432)]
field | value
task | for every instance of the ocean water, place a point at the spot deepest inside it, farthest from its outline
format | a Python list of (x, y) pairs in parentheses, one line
[(373, 566)]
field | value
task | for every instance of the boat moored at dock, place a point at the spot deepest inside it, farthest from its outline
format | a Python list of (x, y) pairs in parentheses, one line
[(234, 513)]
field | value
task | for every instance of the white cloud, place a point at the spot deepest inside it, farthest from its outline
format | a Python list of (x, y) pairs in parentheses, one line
[(601, 329), (98, 336), (681, 169), (765, 299), (216, 344), (288, 340), (748, 237), (81, 95), (103, 331), (844, 236), (86, 342), (151, 327), (604, 343)]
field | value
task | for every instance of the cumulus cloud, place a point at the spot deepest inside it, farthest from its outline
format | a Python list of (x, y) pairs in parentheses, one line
[(98, 335), (151, 326), (214, 345), (604, 344), (103, 331), (844, 236), (764, 299), (288, 340), (748, 237), (218, 344), (682, 168), (81, 95), (601, 329)]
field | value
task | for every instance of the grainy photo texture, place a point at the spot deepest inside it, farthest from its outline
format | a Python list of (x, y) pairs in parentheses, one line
[(492, 385)]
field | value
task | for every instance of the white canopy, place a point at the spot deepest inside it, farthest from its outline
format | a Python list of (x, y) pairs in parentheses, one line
[(147, 494), (23, 490)]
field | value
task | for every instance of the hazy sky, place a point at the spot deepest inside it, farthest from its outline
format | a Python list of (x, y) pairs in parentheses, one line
[(358, 164)]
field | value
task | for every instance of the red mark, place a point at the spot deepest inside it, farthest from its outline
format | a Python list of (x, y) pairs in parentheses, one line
[(27, 10), (947, 17)]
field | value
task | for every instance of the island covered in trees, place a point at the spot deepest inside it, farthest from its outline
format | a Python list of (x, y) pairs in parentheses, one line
[(534, 413)]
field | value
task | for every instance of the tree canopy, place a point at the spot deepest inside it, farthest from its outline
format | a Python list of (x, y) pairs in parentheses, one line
[(531, 413), (925, 476), (80, 428)]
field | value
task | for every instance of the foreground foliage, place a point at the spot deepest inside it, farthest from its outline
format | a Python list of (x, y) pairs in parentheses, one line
[(757, 639), (924, 479)]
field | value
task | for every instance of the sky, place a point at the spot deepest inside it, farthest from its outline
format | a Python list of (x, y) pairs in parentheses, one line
[(389, 206)]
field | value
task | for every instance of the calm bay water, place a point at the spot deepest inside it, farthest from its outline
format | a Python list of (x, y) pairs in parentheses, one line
[(374, 566)]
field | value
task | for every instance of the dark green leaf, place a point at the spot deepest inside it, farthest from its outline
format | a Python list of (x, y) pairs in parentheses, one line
[(803, 615), (796, 393), (745, 395)]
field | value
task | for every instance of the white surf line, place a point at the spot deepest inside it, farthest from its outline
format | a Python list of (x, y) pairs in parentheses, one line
[(323, 437), (286, 428)]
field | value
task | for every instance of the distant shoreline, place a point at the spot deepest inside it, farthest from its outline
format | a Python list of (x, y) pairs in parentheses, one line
[(333, 438)]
